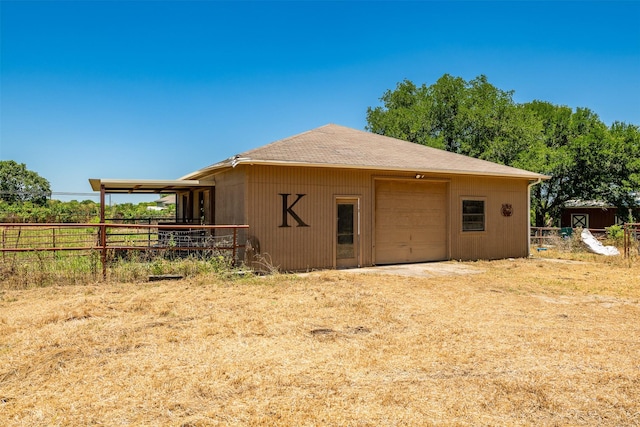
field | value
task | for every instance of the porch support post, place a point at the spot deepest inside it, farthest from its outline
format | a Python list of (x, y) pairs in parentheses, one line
[(102, 197), (235, 244), (103, 233)]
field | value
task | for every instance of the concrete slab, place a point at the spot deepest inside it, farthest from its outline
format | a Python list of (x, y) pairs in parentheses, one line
[(426, 269)]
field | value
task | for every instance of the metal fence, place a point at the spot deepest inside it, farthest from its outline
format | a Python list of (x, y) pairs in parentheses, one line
[(28, 242), (544, 235), (631, 239), (541, 236)]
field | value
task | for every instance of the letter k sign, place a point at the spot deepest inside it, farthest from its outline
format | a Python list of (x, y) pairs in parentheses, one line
[(288, 210)]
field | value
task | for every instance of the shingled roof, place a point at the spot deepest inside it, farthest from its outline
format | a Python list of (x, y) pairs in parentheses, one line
[(337, 146)]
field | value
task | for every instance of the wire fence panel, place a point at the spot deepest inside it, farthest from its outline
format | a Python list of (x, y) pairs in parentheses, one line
[(96, 247), (631, 239), (555, 236), (54, 237), (543, 235)]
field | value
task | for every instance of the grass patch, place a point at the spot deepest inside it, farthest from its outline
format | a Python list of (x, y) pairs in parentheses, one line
[(42, 269)]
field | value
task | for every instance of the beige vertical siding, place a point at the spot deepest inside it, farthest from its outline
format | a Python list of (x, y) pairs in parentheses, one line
[(208, 214), (250, 194), (504, 236), (298, 247), (230, 197)]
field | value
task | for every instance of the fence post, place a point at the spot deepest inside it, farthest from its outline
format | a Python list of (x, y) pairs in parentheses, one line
[(103, 243), (235, 244), (627, 241), (539, 235)]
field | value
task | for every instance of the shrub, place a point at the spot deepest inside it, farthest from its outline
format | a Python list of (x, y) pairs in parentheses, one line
[(615, 234)]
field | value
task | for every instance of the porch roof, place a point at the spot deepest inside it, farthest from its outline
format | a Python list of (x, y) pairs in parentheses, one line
[(148, 186)]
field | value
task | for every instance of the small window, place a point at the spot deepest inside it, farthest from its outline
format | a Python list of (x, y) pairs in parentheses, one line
[(473, 215)]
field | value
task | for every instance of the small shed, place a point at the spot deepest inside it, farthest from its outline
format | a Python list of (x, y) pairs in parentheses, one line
[(592, 214), (336, 197)]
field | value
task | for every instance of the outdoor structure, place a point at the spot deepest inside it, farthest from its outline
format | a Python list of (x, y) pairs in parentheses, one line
[(589, 214), (336, 197)]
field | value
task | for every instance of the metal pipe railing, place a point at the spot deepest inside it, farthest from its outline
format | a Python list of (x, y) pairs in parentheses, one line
[(103, 237)]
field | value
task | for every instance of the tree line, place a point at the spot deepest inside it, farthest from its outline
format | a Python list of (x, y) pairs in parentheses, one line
[(586, 159), (25, 196), (86, 211)]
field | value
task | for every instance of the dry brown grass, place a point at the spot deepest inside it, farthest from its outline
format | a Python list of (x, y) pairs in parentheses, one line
[(525, 342)]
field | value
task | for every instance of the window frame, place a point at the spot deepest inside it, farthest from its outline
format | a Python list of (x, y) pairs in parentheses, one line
[(464, 225)]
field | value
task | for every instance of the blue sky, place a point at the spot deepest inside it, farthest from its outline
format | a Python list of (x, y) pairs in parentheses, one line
[(146, 89)]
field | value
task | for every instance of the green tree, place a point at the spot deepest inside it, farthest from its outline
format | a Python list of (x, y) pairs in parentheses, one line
[(496, 128), (626, 164), (447, 112), (552, 156), (585, 159), (473, 118), (405, 115), (18, 184)]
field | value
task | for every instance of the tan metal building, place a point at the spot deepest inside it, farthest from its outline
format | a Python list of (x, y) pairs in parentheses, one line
[(337, 197)]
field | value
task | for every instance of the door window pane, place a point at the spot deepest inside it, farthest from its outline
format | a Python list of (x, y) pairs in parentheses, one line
[(345, 232)]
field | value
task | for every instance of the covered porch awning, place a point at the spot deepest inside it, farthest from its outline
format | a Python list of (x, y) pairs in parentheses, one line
[(143, 186), (146, 186)]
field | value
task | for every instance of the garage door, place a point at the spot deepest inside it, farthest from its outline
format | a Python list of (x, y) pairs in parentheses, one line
[(411, 221)]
